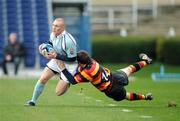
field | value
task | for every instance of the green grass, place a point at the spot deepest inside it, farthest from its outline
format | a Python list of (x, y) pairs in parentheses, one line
[(86, 106)]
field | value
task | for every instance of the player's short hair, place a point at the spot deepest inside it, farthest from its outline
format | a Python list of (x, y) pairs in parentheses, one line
[(83, 57)]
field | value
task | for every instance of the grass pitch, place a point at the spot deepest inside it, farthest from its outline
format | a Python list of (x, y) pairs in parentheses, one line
[(85, 103)]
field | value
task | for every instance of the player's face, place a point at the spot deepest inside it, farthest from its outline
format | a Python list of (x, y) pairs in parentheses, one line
[(12, 38), (57, 28)]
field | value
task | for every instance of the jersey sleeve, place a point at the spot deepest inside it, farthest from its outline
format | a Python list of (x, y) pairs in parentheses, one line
[(70, 46), (68, 77), (63, 77)]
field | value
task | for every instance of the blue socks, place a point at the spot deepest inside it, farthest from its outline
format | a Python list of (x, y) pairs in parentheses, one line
[(37, 91)]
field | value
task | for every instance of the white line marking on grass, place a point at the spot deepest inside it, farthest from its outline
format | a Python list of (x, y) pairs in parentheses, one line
[(145, 116), (126, 110), (112, 105), (99, 101), (86, 97)]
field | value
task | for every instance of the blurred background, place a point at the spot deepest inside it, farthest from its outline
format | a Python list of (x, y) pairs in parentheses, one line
[(112, 31)]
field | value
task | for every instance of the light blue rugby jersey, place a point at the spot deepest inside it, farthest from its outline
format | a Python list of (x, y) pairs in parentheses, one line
[(64, 44)]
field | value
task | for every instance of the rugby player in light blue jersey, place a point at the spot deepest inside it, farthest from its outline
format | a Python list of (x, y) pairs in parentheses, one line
[(65, 49)]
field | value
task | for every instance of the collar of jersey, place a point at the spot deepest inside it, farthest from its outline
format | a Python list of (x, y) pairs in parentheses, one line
[(63, 33)]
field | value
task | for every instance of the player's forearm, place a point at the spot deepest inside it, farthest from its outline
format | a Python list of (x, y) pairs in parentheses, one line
[(65, 58), (69, 76)]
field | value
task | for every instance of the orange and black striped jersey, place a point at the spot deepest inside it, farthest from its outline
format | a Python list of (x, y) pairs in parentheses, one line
[(94, 73)]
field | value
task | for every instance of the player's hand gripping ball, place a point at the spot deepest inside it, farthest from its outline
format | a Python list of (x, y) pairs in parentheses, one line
[(46, 48)]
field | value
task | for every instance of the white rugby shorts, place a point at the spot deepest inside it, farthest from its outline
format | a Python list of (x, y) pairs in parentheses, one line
[(70, 66)]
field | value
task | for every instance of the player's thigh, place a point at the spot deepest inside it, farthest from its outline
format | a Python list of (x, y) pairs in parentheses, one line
[(120, 77), (46, 75), (61, 87), (117, 92), (126, 70)]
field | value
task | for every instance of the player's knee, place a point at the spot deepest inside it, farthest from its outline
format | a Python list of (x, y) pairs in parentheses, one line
[(61, 88), (43, 81), (126, 82), (46, 75), (59, 92), (120, 98)]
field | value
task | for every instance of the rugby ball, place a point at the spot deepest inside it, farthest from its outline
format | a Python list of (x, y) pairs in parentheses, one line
[(47, 47)]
